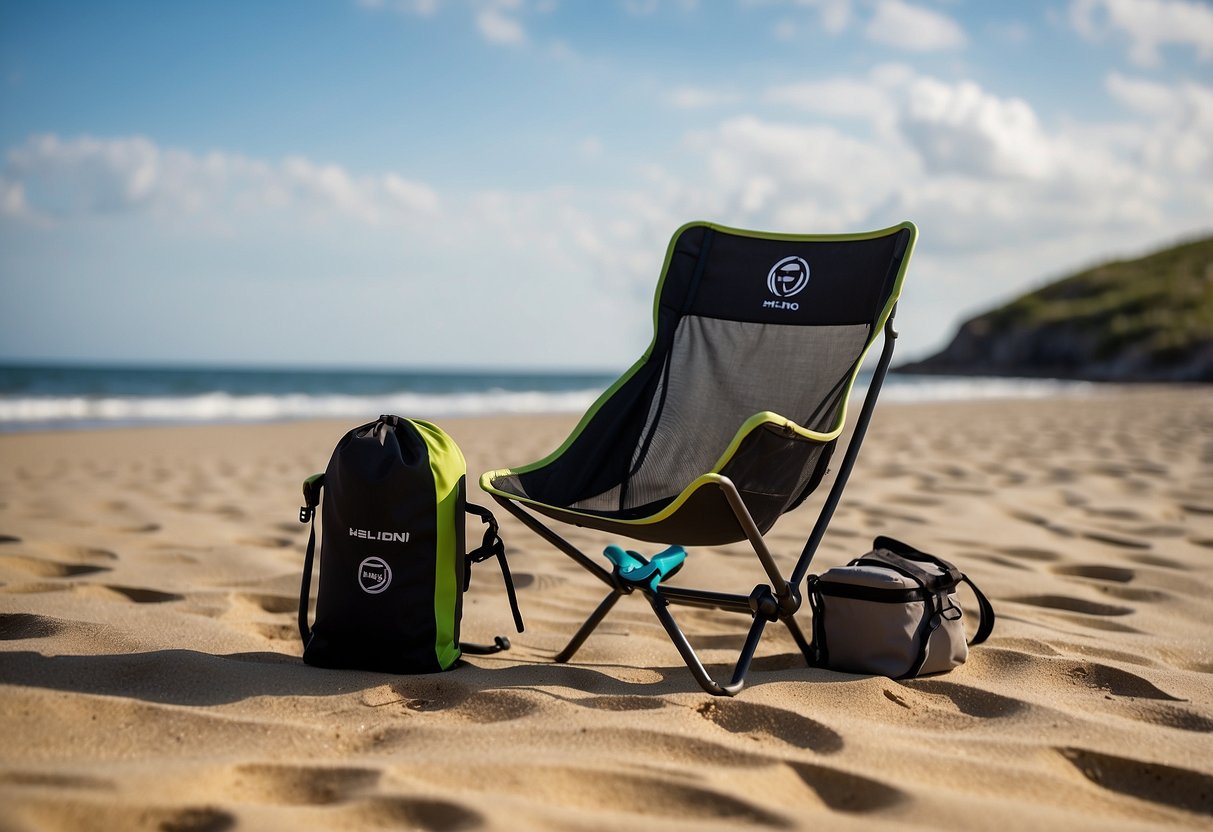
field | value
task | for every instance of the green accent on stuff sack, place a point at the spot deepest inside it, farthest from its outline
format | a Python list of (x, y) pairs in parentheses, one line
[(450, 469)]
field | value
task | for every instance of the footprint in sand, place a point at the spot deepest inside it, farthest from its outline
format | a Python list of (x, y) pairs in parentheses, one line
[(1095, 572), (846, 792), (88, 815), (1068, 604), (1029, 553), (139, 528), (54, 781), (740, 717), (413, 813), (493, 706), (266, 542), (675, 749), (621, 703), (1157, 560), (1158, 783), (1115, 681), (1118, 540), (20, 625), (272, 603), (300, 785), (133, 594), (49, 568), (969, 700), (1168, 716)]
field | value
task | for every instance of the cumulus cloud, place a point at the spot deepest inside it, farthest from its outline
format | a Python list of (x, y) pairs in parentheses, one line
[(914, 28), (834, 97), (960, 128), (1148, 25), (1181, 122), (86, 176), (787, 175)]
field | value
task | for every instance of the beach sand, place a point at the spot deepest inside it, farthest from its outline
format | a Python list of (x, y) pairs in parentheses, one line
[(150, 674)]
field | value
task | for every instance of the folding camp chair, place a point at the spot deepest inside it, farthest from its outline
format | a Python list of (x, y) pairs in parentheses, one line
[(688, 447)]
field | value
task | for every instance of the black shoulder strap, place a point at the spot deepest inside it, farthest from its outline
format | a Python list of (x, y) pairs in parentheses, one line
[(307, 514), (932, 583), (492, 546), (907, 551), (985, 625)]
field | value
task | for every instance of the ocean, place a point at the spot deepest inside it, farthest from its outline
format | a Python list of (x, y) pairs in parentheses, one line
[(46, 397)]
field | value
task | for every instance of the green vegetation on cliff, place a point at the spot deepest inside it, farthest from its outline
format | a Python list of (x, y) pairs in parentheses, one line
[(1144, 319)]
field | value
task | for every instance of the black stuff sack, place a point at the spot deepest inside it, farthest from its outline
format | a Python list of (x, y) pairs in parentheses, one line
[(393, 559), (893, 612)]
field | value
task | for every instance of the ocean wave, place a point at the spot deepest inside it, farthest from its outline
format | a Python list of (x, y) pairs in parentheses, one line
[(910, 389), (39, 411), (29, 412)]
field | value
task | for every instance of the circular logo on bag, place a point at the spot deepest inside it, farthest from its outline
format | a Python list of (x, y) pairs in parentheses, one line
[(788, 277), (374, 575)]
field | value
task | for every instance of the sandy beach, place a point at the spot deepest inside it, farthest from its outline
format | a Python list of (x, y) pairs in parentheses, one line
[(150, 674)]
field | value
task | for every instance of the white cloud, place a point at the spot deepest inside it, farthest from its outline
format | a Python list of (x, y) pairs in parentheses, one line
[(644, 8), (86, 176), (960, 128), (12, 201), (424, 8), (1180, 127), (914, 28), (1148, 25), (698, 98), (839, 96), (496, 23), (787, 175)]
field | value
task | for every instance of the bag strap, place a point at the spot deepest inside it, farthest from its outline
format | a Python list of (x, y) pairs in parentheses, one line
[(492, 546), (883, 557), (907, 551), (985, 625), (307, 514)]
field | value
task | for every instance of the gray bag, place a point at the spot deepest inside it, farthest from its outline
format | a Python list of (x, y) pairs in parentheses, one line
[(893, 612)]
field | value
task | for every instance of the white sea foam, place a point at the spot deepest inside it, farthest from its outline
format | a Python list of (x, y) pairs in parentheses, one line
[(22, 412), (957, 388), (16, 412)]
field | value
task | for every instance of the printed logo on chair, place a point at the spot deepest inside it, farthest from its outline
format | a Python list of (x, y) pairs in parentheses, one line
[(786, 279)]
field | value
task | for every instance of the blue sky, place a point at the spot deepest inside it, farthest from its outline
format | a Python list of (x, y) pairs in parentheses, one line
[(492, 183)]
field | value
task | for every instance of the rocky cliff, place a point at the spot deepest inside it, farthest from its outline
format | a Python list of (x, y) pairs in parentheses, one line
[(1149, 319)]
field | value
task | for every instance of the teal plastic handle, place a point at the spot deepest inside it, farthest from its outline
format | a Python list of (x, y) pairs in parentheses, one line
[(635, 569)]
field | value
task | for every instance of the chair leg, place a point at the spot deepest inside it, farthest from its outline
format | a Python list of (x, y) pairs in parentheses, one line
[(798, 634), (692, 658), (588, 627)]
